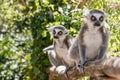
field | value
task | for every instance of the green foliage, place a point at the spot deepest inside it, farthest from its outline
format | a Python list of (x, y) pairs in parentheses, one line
[(23, 33)]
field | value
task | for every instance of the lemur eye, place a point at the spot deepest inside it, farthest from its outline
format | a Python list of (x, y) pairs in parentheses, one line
[(93, 18), (101, 18), (60, 33), (54, 32)]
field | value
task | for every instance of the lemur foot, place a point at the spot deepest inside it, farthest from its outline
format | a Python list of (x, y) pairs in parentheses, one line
[(61, 69), (81, 66)]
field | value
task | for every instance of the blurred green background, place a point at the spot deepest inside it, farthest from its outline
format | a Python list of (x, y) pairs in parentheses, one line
[(23, 32)]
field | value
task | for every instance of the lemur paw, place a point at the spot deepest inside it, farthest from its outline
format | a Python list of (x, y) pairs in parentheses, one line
[(44, 50), (61, 69), (81, 67), (52, 68)]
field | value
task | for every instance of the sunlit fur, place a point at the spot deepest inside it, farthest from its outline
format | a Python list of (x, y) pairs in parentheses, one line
[(60, 46), (92, 40)]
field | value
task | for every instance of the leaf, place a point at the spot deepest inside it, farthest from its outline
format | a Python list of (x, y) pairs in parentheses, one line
[(28, 57), (34, 58), (44, 33)]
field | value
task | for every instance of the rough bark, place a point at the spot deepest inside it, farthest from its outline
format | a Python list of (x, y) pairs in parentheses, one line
[(82, 3), (108, 69)]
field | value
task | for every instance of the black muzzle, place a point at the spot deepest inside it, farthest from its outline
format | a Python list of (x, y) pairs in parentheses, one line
[(55, 37), (97, 23)]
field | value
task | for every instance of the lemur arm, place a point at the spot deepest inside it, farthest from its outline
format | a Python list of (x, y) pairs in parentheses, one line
[(104, 46), (81, 47), (51, 47), (82, 53), (102, 51)]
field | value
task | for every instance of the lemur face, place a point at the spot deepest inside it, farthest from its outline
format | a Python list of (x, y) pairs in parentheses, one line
[(96, 18), (58, 32)]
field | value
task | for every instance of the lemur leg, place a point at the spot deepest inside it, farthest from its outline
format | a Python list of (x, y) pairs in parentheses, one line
[(54, 60)]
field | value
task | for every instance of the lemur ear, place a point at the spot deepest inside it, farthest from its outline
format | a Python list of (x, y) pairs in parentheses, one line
[(50, 29), (106, 15), (67, 31), (85, 14)]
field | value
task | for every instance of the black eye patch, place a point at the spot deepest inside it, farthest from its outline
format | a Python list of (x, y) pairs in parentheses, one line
[(60, 32), (93, 18), (101, 18), (66, 33), (54, 32)]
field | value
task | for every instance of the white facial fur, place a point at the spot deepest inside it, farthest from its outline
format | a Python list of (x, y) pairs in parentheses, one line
[(60, 37), (87, 15), (91, 23)]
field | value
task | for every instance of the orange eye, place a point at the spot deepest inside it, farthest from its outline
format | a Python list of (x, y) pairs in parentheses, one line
[(54, 32), (101, 18), (93, 18), (60, 33)]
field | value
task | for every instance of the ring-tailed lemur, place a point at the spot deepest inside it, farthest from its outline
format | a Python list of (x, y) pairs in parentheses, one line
[(92, 40), (58, 51)]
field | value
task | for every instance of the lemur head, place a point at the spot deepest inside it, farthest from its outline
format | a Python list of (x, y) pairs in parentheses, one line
[(58, 32), (95, 18)]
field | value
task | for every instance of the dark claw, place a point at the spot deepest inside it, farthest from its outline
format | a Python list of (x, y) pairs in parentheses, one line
[(81, 67)]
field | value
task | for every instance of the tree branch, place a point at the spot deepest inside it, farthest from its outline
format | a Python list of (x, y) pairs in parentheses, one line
[(82, 3), (108, 69)]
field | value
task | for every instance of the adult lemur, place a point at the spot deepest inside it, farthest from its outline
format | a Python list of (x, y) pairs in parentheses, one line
[(92, 40), (58, 52)]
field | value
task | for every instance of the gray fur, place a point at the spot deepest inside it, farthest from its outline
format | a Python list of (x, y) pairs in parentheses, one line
[(58, 51), (91, 42), (54, 59), (108, 69)]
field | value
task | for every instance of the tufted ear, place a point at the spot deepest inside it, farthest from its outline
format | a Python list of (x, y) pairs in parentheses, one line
[(50, 29), (86, 14), (67, 31), (106, 15)]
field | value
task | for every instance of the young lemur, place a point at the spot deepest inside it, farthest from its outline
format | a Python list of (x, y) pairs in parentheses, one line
[(92, 40), (58, 51)]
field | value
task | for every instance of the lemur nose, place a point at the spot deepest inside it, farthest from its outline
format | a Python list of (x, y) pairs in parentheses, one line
[(97, 23), (56, 37)]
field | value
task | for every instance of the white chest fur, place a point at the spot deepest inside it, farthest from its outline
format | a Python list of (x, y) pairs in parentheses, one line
[(93, 41), (62, 52)]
